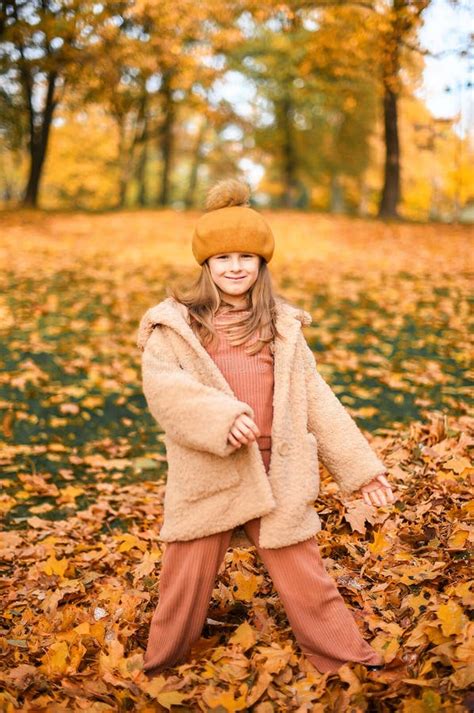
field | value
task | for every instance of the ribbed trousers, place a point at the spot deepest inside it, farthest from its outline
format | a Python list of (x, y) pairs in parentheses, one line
[(322, 624)]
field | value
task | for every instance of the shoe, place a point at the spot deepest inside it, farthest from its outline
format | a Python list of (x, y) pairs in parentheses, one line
[(395, 666)]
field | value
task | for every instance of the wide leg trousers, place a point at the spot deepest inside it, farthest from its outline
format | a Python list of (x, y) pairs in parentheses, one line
[(323, 626)]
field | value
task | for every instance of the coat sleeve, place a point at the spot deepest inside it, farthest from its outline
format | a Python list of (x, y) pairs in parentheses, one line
[(342, 447), (193, 414)]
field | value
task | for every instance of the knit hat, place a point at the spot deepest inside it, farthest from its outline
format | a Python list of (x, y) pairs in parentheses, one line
[(230, 225)]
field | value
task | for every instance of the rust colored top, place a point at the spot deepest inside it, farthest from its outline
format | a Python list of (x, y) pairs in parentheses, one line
[(250, 376)]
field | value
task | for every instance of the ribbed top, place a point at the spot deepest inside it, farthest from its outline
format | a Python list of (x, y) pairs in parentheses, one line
[(250, 376)]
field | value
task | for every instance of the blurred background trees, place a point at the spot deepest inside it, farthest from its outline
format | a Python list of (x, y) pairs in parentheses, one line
[(135, 104)]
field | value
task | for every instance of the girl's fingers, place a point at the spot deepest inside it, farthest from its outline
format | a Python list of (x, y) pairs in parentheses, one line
[(376, 497), (255, 429), (242, 433), (383, 480), (245, 428), (249, 423), (390, 495), (233, 441)]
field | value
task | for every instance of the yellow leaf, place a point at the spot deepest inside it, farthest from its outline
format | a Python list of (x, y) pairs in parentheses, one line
[(417, 636), (462, 590), (261, 684), (463, 678), (380, 543), (22, 494), (225, 699), (55, 566), (443, 476), (465, 650), (83, 629), (92, 402), (76, 655), (58, 447), (458, 464), (451, 617), (55, 660), (154, 686), (458, 539), (129, 541), (245, 587), (430, 702), (417, 602), (274, 658), (388, 646), (111, 661), (49, 541), (171, 698), (243, 635), (366, 411), (98, 631), (147, 565), (6, 503), (435, 636), (208, 671), (409, 574), (70, 493)]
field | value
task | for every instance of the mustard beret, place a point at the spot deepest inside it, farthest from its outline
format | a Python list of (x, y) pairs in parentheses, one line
[(230, 225)]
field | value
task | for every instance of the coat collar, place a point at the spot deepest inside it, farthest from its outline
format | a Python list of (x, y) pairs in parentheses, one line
[(168, 312), (289, 322)]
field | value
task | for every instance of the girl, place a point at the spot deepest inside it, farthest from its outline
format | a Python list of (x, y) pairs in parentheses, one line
[(230, 378)]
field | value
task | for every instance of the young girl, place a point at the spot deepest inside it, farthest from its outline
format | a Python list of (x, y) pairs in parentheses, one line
[(230, 378)]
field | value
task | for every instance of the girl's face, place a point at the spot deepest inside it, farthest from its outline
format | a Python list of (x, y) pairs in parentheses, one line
[(234, 273)]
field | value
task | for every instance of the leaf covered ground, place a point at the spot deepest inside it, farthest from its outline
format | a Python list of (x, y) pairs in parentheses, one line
[(83, 470)]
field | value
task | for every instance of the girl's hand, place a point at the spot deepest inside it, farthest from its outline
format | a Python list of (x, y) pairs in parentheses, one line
[(378, 491), (243, 431)]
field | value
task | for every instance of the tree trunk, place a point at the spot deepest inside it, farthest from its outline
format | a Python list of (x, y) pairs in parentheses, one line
[(141, 175), (391, 190), (38, 139), (401, 23), (363, 207), (337, 195), (289, 159), (132, 133), (196, 162), (122, 161), (166, 142), (143, 157)]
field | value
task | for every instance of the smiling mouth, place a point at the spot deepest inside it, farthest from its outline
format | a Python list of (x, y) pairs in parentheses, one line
[(236, 278)]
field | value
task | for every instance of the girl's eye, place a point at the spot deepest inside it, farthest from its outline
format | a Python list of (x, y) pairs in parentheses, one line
[(223, 257)]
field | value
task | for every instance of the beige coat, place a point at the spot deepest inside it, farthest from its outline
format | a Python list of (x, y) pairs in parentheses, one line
[(213, 486)]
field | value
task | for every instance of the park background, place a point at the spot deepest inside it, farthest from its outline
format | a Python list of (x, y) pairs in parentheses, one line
[(352, 123)]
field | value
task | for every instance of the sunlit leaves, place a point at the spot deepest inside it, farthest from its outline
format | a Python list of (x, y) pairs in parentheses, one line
[(83, 469)]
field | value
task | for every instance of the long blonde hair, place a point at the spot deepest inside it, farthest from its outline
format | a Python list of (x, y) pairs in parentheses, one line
[(204, 298)]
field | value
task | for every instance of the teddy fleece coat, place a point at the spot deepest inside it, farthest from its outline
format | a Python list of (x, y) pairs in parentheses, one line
[(213, 486)]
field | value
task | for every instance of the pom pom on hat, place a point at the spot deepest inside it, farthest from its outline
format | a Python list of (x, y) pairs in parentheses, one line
[(230, 225), (228, 192)]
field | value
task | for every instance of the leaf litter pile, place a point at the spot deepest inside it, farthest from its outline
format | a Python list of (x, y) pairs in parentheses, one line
[(83, 471)]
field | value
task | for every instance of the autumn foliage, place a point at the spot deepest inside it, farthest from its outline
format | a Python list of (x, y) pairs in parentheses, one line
[(83, 471)]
